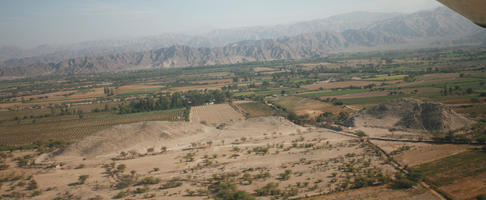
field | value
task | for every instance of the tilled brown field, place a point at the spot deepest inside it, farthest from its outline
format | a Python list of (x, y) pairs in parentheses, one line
[(214, 114)]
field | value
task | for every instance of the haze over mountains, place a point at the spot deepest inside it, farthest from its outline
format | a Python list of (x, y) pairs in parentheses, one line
[(359, 31)]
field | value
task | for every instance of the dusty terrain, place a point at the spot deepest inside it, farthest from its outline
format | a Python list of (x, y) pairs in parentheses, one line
[(191, 153)]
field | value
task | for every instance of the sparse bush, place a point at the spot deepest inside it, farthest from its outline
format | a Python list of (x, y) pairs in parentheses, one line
[(171, 184), (124, 181), (360, 133), (3, 166), (189, 157), (121, 194), (141, 190), (32, 185), (285, 175), (262, 175), (402, 183), (97, 197), (80, 166), (269, 189), (149, 181), (224, 191), (409, 181), (82, 179), (246, 179)]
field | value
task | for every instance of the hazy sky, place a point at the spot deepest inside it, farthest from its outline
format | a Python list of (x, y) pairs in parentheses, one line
[(29, 23)]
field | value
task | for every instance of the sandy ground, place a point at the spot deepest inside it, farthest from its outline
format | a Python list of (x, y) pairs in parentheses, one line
[(380, 128), (316, 157)]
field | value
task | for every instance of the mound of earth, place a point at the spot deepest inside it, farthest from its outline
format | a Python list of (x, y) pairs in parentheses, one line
[(173, 135), (134, 137), (413, 114)]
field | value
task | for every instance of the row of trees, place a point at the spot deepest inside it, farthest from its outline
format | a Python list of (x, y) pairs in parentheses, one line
[(174, 100)]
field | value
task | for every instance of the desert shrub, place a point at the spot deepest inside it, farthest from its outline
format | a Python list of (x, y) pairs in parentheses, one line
[(228, 191), (32, 185), (400, 150), (80, 166), (360, 182), (189, 157), (21, 162), (3, 166), (82, 179), (149, 181), (269, 189), (262, 175), (285, 175), (36, 193), (402, 183), (171, 184), (97, 197), (416, 175), (360, 133), (246, 179), (124, 181), (141, 190), (260, 150), (121, 194), (405, 182)]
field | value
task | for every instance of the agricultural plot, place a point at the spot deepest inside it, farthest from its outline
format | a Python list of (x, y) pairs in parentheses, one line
[(461, 176), (255, 109), (310, 107), (214, 114), (71, 128), (334, 93), (415, 154), (342, 84), (381, 193), (387, 78)]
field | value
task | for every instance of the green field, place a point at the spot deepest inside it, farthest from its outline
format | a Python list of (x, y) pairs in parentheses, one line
[(334, 93), (387, 78), (372, 100)]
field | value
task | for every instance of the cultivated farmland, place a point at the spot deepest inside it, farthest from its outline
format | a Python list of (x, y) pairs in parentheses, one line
[(214, 114)]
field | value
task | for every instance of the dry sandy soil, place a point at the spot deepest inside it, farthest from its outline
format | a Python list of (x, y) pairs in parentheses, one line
[(190, 154), (214, 114)]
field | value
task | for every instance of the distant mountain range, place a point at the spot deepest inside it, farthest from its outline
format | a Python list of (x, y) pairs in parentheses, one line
[(216, 38), (359, 31)]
